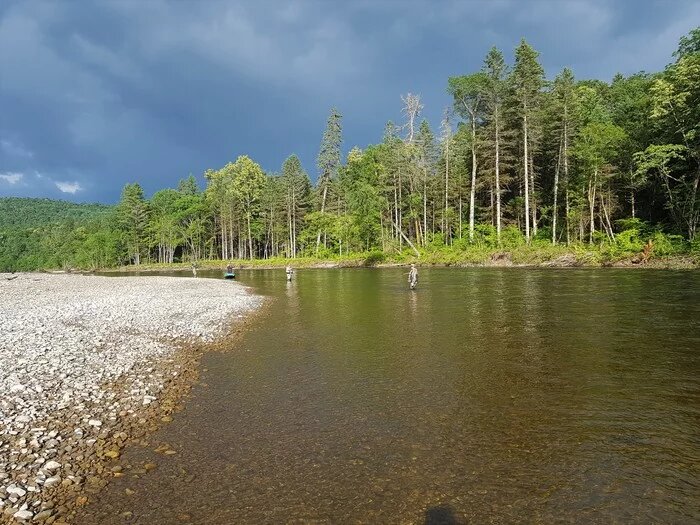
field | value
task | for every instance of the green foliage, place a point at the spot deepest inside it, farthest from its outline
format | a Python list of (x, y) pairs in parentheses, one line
[(328, 160), (374, 257), (629, 241), (689, 44), (665, 244), (188, 186), (18, 212), (527, 77), (132, 217), (40, 233)]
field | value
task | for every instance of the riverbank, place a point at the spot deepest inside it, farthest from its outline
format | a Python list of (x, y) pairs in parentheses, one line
[(525, 257), (88, 364)]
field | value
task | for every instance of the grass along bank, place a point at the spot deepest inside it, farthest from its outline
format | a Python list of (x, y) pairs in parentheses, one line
[(538, 254)]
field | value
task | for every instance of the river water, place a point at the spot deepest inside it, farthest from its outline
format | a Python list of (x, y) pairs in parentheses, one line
[(484, 396)]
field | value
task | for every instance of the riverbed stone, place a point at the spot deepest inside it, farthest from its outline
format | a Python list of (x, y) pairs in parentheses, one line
[(23, 515), (86, 362)]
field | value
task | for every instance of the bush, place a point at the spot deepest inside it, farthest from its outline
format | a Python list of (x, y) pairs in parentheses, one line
[(484, 235), (512, 237), (664, 244), (437, 242), (544, 233), (634, 224), (374, 257), (695, 246), (629, 241)]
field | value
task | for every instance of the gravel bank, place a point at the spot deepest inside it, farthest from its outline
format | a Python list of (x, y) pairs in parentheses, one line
[(87, 362)]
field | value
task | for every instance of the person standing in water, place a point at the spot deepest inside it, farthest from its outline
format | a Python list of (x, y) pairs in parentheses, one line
[(413, 277), (290, 272), (229, 268)]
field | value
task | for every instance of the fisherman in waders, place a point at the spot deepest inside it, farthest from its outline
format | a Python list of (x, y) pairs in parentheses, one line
[(290, 272), (413, 277)]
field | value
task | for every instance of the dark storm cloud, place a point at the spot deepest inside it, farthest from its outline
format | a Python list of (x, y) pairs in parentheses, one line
[(97, 94)]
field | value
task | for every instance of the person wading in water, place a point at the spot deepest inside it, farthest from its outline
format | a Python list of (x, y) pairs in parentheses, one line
[(290, 272), (413, 277)]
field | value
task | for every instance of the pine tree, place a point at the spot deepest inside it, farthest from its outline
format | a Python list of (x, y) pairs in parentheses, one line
[(328, 160), (565, 99), (527, 81), (133, 220), (494, 93), (296, 191)]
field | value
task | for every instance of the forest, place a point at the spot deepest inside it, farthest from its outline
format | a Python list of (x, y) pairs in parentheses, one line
[(521, 164)]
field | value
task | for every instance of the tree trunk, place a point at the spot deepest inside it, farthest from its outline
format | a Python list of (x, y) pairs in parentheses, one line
[(526, 176), (408, 240), (566, 174), (250, 238), (533, 197), (607, 224), (395, 217), (447, 186), (400, 220), (556, 192), (591, 203), (472, 191), (425, 206), (323, 209), (498, 180), (459, 191)]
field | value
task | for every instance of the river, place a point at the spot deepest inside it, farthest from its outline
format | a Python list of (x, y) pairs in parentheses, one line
[(483, 396)]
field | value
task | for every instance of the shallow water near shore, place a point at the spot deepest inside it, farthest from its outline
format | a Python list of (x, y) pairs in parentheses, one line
[(486, 395)]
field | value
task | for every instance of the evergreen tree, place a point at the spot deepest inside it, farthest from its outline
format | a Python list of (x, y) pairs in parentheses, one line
[(133, 221), (494, 92), (564, 111), (527, 81), (297, 189), (328, 160)]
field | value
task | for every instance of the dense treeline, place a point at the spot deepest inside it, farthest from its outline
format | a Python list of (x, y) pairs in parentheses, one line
[(17, 212), (43, 233), (518, 160)]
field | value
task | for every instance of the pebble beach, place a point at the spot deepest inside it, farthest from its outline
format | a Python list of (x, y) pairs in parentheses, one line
[(85, 361)]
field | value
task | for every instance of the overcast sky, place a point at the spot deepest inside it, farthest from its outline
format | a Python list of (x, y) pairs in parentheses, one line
[(97, 94)]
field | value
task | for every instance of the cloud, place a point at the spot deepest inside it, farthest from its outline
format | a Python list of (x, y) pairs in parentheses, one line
[(14, 149), (11, 178), (68, 187)]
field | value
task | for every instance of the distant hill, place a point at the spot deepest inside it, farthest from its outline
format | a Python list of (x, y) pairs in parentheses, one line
[(16, 212)]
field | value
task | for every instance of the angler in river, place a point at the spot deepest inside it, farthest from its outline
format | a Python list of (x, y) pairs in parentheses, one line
[(413, 277), (290, 272)]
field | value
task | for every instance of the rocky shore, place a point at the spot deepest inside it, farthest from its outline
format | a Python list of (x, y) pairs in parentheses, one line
[(87, 364)]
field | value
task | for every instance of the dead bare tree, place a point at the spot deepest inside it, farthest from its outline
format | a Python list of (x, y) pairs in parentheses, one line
[(411, 107)]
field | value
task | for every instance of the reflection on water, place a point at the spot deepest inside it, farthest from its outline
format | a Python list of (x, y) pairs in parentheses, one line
[(486, 395)]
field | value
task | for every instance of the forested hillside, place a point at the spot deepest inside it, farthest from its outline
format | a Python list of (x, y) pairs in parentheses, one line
[(521, 163), (18, 212), (44, 233)]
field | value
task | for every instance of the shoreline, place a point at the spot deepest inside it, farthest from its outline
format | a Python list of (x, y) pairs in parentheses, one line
[(81, 390), (503, 259)]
